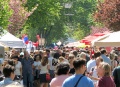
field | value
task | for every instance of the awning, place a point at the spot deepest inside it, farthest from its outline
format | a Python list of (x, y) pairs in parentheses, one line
[(113, 40)]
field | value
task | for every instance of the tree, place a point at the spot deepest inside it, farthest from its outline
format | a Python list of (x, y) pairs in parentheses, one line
[(19, 16), (45, 20), (108, 13), (82, 19), (79, 33), (52, 19), (98, 30), (5, 13)]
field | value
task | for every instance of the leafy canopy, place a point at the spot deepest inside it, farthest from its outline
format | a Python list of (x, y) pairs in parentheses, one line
[(108, 13), (5, 13)]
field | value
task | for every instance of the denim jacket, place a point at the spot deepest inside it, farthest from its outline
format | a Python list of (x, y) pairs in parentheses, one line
[(5, 82)]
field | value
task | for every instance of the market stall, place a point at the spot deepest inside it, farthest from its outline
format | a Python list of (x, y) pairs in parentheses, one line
[(11, 41), (113, 40)]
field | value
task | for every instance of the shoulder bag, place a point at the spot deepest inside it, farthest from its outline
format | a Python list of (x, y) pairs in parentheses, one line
[(78, 81)]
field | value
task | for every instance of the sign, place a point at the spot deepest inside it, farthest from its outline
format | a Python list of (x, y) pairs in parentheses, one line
[(41, 41)]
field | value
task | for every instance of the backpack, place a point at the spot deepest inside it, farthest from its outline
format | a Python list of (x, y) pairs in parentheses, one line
[(54, 62)]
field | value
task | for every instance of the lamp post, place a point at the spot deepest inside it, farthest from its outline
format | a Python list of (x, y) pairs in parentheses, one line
[(68, 6), (68, 14)]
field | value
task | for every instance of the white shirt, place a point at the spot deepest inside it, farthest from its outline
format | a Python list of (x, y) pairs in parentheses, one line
[(17, 68), (90, 64), (44, 69), (50, 60), (66, 60), (37, 64), (94, 74)]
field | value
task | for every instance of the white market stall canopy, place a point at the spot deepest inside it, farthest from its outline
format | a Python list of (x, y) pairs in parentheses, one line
[(113, 40), (11, 41), (76, 44)]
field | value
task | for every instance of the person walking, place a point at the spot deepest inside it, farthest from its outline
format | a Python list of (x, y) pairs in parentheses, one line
[(116, 76), (78, 79), (93, 72), (91, 63), (8, 71), (52, 62), (44, 69), (36, 69), (27, 70), (62, 72), (104, 72), (71, 59), (104, 57), (18, 68)]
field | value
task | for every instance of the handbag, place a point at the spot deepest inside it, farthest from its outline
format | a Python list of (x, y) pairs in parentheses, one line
[(78, 81), (48, 78)]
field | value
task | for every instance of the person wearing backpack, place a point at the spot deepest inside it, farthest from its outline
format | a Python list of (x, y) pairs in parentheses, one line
[(52, 62), (78, 79)]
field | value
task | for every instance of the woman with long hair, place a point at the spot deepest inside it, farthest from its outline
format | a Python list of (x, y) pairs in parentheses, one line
[(71, 59), (37, 64), (18, 68), (93, 72), (44, 70), (113, 61), (104, 73)]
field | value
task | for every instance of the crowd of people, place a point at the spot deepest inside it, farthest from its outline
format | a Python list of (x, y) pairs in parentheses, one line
[(64, 67)]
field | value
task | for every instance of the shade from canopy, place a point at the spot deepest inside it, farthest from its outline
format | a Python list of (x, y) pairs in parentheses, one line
[(113, 40)]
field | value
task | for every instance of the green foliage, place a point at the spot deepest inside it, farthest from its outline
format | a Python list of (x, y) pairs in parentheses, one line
[(45, 20), (5, 13), (83, 10), (79, 18), (51, 20)]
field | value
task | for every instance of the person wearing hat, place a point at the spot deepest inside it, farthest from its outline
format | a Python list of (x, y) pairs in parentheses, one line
[(61, 59)]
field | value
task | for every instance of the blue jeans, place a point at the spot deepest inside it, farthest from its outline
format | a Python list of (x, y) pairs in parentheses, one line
[(28, 79)]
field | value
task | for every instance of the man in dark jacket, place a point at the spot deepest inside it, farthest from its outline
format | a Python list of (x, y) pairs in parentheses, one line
[(27, 71)]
